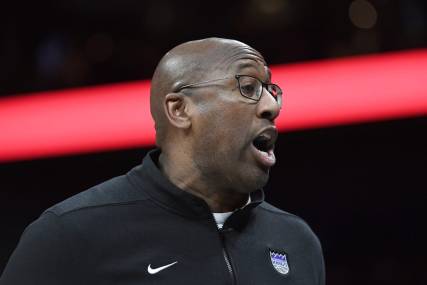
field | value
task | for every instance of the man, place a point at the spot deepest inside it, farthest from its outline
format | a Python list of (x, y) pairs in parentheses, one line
[(194, 211)]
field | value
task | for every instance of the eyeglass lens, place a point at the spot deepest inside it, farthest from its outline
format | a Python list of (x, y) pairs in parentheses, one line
[(251, 87)]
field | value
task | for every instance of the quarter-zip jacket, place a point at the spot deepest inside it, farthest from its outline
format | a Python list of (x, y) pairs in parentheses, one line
[(139, 228)]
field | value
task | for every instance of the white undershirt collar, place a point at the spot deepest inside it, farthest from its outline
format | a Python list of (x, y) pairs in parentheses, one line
[(220, 218)]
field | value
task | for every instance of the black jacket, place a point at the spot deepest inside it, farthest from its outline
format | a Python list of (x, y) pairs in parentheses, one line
[(141, 229)]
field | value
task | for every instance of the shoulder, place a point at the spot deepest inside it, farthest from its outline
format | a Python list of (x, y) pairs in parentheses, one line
[(71, 224), (289, 223), (269, 209), (40, 255), (116, 191)]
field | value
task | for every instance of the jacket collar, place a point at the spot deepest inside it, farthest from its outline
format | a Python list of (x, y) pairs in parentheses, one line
[(149, 179)]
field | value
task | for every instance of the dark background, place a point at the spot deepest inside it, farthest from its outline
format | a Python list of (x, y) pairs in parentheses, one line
[(361, 187)]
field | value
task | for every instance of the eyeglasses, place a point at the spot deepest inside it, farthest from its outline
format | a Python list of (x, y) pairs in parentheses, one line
[(249, 86)]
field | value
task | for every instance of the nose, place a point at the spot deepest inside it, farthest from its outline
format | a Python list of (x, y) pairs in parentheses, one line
[(267, 107)]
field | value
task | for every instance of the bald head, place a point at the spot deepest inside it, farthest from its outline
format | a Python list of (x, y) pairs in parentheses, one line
[(192, 62)]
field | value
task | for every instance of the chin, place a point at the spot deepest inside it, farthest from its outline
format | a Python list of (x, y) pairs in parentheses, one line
[(255, 181)]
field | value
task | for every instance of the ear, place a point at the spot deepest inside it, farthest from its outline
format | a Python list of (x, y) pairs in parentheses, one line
[(177, 110)]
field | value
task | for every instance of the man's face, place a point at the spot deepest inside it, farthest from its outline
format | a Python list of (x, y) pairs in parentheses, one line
[(234, 136)]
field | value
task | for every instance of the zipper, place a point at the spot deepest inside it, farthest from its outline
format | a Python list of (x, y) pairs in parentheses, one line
[(227, 257), (224, 252)]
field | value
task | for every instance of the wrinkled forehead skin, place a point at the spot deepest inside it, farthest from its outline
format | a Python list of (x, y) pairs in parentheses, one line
[(201, 60)]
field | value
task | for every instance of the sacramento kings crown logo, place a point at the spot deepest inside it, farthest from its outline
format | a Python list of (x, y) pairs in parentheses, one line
[(279, 261)]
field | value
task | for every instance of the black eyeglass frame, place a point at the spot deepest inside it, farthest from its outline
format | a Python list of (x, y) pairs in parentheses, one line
[(267, 86)]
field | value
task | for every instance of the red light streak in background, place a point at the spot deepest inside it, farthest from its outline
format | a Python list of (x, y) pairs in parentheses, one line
[(317, 94)]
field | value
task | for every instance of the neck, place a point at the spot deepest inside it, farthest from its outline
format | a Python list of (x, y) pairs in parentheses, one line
[(186, 176)]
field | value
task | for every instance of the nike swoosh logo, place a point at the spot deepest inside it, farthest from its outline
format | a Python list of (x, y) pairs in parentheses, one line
[(158, 269)]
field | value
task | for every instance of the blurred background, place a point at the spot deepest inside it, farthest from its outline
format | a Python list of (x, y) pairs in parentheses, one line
[(362, 187)]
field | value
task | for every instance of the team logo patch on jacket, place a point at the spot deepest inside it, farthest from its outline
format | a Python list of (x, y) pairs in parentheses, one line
[(279, 261)]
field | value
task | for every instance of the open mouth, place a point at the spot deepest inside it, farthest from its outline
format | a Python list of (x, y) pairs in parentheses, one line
[(263, 145)]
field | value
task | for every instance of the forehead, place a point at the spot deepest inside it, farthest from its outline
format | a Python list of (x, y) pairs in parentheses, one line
[(245, 60), (253, 68)]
